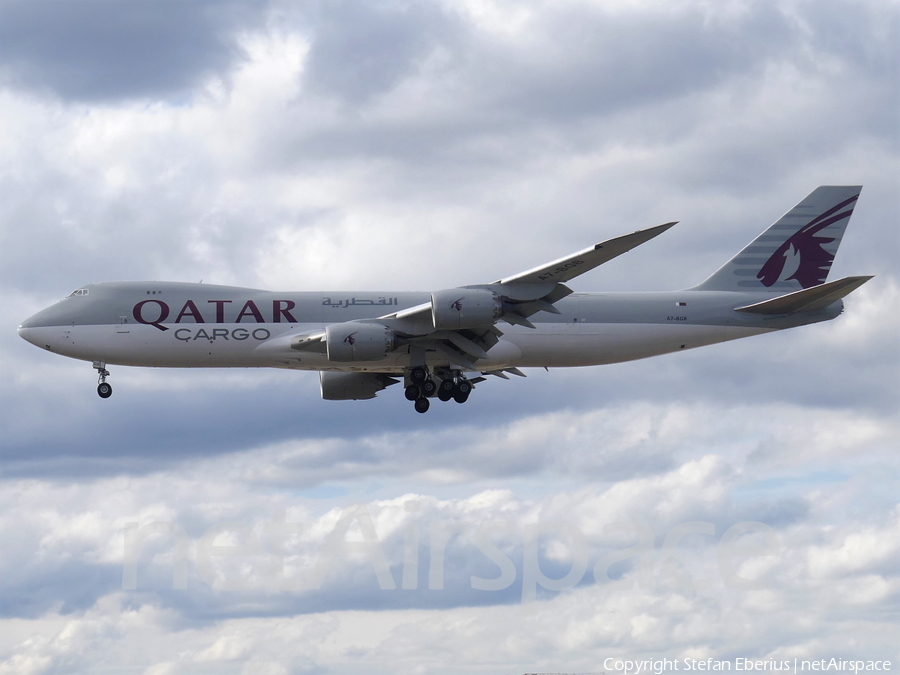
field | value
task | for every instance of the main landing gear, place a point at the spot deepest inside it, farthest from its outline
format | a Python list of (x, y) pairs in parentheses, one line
[(104, 389), (451, 384)]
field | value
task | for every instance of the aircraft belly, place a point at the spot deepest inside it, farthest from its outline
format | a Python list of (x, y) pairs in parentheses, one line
[(268, 345), (565, 345)]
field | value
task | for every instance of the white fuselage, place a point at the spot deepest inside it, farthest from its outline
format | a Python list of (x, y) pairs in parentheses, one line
[(267, 345), (197, 325)]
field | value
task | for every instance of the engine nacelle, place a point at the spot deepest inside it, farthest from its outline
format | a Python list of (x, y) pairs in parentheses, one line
[(458, 308), (356, 341), (352, 386)]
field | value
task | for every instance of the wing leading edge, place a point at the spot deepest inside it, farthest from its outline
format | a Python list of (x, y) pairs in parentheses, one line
[(537, 289), (566, 269)]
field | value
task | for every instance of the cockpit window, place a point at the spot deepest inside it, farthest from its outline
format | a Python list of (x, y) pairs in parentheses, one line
[(80, 291)]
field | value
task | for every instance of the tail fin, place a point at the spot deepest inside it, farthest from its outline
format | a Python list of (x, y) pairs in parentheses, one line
[(797, 251)]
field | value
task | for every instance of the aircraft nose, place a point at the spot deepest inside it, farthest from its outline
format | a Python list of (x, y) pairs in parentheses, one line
[(34, 328), (45, 329), (55, 315), (32, 322), (27, 333)]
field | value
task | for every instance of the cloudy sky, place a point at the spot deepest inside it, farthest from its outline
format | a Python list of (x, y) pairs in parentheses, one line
[(735, 501)]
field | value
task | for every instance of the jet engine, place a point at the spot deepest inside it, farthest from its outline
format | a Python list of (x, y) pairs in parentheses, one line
[(458, 308), (352, 386), (357, 341)]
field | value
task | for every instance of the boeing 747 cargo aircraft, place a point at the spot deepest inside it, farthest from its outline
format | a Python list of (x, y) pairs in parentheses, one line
[(441, 344)]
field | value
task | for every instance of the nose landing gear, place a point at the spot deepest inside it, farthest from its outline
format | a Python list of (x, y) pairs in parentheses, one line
[(104, 389)]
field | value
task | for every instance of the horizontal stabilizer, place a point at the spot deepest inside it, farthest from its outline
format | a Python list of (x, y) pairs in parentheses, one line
[(807, 300)]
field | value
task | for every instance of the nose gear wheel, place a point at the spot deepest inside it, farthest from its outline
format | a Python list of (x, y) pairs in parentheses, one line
[(104, 389)]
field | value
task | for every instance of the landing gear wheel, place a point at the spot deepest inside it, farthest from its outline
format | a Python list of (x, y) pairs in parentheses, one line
[(412, 392), (418, 375), (428, 388), (422, 405), (103, 389), (461, 391), (445, 389)]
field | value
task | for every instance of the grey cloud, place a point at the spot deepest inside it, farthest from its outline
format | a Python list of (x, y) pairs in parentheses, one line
[(96, 50), (579, 63), (603, 62), (577, 60), (863, 38), (64, 586), (362, 49), (82, 237)]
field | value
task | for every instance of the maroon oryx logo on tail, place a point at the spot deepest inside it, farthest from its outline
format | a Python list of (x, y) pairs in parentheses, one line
[(815, 261)]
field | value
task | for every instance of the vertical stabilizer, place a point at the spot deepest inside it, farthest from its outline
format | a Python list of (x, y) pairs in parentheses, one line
[(797, 251)]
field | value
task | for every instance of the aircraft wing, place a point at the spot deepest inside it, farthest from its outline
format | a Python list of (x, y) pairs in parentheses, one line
[(566, 269), (513, 300), (538, 288)]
